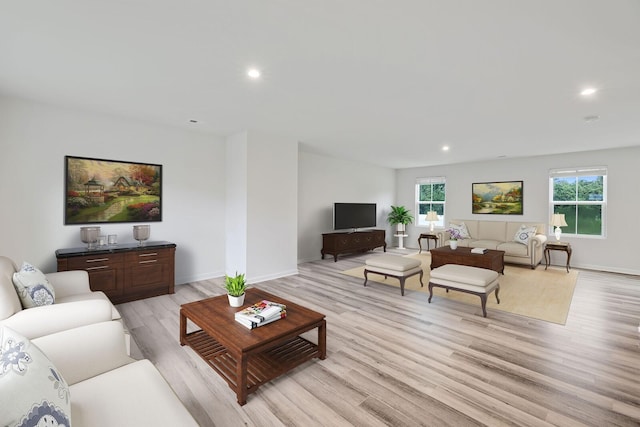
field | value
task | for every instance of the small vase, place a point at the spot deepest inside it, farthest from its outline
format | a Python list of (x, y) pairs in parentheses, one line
[(453, 244), (236, 301)]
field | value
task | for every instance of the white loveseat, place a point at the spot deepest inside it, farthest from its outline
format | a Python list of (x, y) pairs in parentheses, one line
[(97, 383), (500, 235), (75, 304)]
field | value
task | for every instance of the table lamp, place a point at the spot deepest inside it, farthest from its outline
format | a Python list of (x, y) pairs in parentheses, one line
[(432, 216), (557, 221)]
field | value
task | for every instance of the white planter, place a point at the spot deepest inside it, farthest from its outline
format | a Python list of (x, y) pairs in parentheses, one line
[(453, 244), (236, 301)]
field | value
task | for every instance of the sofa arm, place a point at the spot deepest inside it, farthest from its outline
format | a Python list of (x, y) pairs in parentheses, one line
[(538, 240), (49, 319), (87, 351), (68, 283)]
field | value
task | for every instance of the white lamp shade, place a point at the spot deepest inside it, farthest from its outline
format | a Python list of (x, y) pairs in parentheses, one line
[(432, 216), (557, 220)]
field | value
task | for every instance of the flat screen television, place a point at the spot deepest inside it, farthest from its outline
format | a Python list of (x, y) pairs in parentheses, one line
[(354, 215)]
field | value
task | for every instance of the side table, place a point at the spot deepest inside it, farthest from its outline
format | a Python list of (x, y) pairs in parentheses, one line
[(429, 237), (557, 246)]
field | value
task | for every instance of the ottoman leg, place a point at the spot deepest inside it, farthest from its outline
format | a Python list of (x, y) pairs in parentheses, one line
[(365, 277), (483, 300), (402, 286), (421, 274), (497, 290), (430, 291)]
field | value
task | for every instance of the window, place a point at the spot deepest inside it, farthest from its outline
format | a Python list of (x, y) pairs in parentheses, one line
[(430, 196), (581, 195)]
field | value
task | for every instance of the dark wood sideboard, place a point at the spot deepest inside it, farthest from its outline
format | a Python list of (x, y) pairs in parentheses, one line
[(125, 272), (357, 241)]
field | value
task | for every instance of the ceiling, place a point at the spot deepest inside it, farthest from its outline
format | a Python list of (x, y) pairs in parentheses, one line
[(380, 81)]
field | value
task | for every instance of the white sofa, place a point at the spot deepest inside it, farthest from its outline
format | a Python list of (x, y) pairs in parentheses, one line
[(500, 235), (75, 304), (104, 386)]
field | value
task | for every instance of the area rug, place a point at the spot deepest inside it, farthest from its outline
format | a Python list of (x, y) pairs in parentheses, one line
[(540, 294)]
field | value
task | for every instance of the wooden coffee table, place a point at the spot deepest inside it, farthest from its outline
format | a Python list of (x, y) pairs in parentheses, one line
[(247, 358), (491, 260)]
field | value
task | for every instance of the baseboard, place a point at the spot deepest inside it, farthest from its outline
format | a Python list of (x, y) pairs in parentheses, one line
[(259, 279), (196, 278), (606, 268)]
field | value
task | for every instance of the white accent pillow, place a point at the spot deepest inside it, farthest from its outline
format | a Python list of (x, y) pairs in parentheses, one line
[(462, 230), (33, 391), (32, 287), (524, 233)]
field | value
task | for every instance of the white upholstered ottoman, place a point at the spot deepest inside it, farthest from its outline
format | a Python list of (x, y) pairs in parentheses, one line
[(473, 280), (395, 266)]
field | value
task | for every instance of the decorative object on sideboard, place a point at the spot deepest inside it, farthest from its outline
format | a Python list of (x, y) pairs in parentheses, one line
[(112, 240), (89, 235), (432, 217), (141, 233), (106, 191), (557, 221), (235, 286)]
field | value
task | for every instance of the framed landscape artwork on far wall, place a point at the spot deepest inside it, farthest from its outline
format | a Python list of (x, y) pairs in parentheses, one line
[(503, 198), (108, 191)]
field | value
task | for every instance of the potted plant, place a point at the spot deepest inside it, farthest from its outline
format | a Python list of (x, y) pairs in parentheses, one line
[(400, 216), (454, 235), (235, 289)]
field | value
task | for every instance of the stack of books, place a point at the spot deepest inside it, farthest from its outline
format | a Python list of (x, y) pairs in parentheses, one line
[(479, 250), (261, 313)]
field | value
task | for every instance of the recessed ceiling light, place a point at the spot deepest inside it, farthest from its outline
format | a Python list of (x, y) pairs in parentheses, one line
[(588, 91), (445, 148), (254, 73), (590, 119), (193, 121)]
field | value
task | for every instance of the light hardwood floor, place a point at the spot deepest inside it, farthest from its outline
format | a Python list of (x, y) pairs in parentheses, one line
[(400, 361)]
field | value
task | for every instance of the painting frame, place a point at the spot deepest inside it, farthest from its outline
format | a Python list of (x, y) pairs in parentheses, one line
[(100, 191), (497, 198)]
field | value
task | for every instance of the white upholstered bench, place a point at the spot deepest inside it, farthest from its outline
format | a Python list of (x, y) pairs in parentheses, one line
[(472, 280), (395, 266)]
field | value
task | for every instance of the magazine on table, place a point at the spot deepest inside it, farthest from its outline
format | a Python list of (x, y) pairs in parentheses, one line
[(261, 311), (252, 325)]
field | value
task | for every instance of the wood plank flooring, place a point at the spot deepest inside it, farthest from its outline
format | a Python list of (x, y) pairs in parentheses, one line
[(399, 361)]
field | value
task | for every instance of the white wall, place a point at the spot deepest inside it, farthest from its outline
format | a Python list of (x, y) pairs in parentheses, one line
[(618, 252), (236, 204), (34, 138), (322, 181), (272, 206)]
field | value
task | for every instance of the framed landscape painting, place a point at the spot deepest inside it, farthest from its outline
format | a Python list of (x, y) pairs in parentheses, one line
[(107, 191), (503, 198)]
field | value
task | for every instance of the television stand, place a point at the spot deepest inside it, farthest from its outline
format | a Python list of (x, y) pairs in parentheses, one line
[(352, 241)]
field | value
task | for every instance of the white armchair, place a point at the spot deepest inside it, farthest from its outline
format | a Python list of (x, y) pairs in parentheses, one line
[(75, 304)]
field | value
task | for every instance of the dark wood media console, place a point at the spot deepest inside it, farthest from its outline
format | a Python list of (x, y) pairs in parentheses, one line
[(357, 241), (125, 272)]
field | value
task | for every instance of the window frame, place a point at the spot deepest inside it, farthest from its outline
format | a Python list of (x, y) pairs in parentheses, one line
[(577, 173), (419, 218)]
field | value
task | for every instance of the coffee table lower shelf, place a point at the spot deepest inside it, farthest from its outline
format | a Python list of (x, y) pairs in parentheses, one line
[(261, 367)]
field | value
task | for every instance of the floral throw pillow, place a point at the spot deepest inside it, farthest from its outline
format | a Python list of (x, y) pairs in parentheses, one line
[(524, 233), (32, 287), (33, 391), (460, 231)]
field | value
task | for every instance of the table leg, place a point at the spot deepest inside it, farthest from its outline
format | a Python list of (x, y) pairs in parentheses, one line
[(241, 378), (322, 339), (568, 258), (420, 244), (183, 328), (546, 258)]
